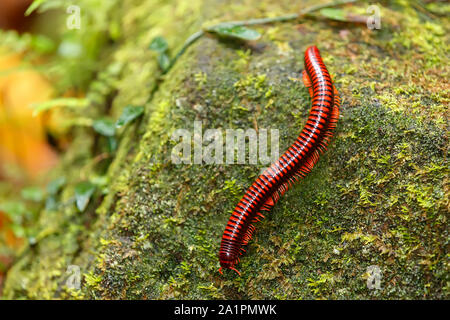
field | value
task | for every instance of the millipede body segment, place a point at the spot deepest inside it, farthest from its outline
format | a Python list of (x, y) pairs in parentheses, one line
[(295, 163)]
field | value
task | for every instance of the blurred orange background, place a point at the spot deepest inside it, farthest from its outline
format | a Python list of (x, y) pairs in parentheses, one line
[(25, 153)]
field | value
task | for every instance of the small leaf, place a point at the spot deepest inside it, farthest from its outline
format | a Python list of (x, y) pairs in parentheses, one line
[(163, 61), (334, 14), (51, 203), (60, 102), (32, 193), (100, 181), (159, 44), (42, 44), (83, 193), (54, 185), (33, 6), (70, 49), (233, 31), (105, 127), (129, 113)]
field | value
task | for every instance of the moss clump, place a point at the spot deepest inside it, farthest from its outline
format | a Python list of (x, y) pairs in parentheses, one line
[(377, 197)]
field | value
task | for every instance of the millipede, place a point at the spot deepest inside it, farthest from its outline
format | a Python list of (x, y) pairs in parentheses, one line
[(294, 164)]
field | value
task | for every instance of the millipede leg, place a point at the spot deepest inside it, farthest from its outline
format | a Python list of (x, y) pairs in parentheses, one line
[(307, 82)]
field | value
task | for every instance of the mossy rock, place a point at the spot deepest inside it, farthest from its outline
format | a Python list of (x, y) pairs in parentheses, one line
[(378, 196)]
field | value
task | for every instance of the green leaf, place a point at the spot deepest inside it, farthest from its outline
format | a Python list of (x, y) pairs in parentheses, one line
[(34, 6), (341, 15), (32, 193), (42, 44), (13, 209), (114, 30), (72, 103), (100, 181), (105, 127), (334, 14), (83, 193), (232, 31), (54, 185), (163, 61), (159, 44), (129, 113)]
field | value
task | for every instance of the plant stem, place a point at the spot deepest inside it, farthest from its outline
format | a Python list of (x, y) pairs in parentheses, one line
[(191, 40)]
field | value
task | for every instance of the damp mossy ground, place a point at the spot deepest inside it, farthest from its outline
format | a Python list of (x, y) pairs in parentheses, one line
[(378, 196)]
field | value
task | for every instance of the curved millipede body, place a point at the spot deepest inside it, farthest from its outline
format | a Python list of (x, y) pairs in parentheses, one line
[(294, 164)]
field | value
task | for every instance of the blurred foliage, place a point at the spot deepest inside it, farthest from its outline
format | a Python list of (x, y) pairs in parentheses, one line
[(50, 61), (72, 52), (78, 50), (129, 113)]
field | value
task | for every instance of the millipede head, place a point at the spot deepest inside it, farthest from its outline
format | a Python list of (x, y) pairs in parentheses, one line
[(227, 264), (227, 261)]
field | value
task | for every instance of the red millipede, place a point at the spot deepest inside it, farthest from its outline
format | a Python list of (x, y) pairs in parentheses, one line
[(293, 165)]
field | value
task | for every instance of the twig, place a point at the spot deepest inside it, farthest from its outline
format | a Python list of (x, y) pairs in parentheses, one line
[(288, 17)]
